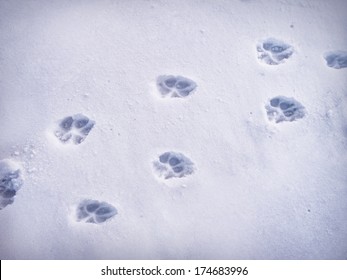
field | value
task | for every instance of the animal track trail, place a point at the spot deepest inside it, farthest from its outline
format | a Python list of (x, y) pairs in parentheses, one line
[(273, 52), (175, 86), (173, 165), (74, 129), (10, 182), (283, 108), (96, 212)]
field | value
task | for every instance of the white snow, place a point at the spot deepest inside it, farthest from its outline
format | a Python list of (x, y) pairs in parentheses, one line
[(260, 189)]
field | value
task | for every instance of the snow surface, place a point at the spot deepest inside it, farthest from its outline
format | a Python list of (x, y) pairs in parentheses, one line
[(260, 189)]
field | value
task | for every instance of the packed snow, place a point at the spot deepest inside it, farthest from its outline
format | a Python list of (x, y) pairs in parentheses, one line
[(152, 129)]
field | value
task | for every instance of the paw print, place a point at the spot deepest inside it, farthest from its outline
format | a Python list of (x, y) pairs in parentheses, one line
[(283, 108), (93, 211), (74, 129), (171, 164), (273, 52), (336, 59), (171, 86), (10, 182)]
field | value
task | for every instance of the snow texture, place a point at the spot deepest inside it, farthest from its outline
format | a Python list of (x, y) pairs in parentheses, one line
[(273, 52), (10, 182), (93, 211), (171, 86), (142, 131), (173, 164), (336, 59), (283, 108)]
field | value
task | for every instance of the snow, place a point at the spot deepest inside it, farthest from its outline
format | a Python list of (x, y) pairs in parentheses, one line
[(259, 190)]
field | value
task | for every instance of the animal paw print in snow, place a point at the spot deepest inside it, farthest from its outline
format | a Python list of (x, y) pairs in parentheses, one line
[(283, 108), (336, 59), (93, 211), (74, 129), (171, 164), (10, 182), (175, 86), (273, 52)]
